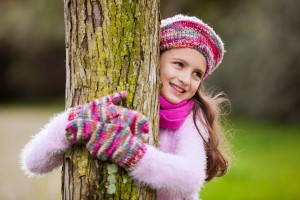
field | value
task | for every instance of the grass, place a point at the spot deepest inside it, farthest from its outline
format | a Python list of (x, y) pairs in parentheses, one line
[(265, 167), (266, 164), (17, 124)]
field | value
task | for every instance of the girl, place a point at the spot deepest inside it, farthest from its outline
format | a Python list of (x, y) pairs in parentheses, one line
[(190, 132)]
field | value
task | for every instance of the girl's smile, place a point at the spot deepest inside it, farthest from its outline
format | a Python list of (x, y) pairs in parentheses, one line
[(177, 88), (181, 72)]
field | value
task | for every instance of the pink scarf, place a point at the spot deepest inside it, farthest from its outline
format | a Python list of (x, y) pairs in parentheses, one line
[(171, 115)]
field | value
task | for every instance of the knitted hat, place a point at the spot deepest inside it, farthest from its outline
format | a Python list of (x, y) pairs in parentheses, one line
[(183, 31)]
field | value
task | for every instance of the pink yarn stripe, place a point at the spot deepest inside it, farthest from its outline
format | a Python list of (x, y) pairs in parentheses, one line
[(71, 128), (94, 111), (131, 142), (115, 143), (99, 142), (112, 147), (87, 130), (132, 126), (74, 134)]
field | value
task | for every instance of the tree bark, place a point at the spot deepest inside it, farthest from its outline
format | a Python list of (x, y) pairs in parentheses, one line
[(110, 46)]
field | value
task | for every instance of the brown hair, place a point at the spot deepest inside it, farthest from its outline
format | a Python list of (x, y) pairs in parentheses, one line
[(217, 148)]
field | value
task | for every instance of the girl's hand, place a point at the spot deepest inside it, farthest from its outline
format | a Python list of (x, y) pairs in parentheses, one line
[(96, 109), (137, 122), (105, 110), (106, 141)]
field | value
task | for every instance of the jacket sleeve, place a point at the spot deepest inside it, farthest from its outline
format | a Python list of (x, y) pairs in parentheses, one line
[(45, 150), (182, 173)]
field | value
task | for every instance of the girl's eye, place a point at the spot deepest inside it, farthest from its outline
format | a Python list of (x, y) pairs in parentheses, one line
[(198, 74), (178, 64)]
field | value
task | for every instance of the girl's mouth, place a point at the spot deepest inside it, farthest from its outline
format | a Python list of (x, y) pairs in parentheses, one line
[(177, 88)]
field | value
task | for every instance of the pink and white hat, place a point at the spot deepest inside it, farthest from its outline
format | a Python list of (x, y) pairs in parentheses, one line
[(183, 31)]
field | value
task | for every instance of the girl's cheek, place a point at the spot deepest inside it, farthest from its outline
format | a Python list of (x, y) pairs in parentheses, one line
[(196, 85)]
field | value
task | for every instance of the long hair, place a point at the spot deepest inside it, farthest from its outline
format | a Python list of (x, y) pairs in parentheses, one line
[(217, 148)]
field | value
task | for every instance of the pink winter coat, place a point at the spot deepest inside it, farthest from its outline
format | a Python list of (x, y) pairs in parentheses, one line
[(176, 170)]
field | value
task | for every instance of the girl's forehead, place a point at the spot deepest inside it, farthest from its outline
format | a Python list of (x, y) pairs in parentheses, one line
[(187, 53)]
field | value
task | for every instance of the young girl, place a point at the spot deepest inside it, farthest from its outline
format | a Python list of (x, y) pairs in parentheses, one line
[(190, 132)]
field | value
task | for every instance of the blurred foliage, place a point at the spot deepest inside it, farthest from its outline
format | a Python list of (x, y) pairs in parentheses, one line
[(266, 164), (260, 72), (31, 50), (261, 68)]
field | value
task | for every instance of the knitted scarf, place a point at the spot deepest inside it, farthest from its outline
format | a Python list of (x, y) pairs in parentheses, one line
[(171, 115)]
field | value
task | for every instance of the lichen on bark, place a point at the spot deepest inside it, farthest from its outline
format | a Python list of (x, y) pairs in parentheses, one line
[(110, 46)]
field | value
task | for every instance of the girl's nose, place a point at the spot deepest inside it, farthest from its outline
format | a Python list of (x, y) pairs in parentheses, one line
[(184, 78)]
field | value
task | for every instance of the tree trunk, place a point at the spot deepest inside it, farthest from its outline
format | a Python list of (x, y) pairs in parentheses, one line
[(110, 46)]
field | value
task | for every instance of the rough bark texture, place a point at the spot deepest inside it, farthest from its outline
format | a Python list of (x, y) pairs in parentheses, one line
[(110, 46)]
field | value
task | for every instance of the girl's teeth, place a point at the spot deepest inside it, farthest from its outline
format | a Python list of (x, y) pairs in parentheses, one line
[(177, 89)]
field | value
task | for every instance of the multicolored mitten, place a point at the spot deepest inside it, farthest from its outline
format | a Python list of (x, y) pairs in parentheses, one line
[(112, 142), (104, 110), (96, 109), (137, 122)]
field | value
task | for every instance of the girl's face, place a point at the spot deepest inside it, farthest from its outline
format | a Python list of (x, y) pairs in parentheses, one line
[(181, 72)]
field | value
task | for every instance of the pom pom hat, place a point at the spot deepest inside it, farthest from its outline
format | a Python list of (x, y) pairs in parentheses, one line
[(183, 31)]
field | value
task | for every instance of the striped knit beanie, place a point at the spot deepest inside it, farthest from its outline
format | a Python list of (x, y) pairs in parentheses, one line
[(183, 31)]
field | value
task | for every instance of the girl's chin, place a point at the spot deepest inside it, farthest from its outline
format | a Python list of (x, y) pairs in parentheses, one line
[(173, 96), (172, 99)]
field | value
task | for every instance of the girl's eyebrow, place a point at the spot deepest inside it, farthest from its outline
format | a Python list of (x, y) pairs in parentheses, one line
[(181, 60), (187, 64)]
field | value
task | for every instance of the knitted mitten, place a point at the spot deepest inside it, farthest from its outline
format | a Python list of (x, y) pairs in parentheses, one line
[(104, 110), (96, 108), (112, 142), (136, 121)]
